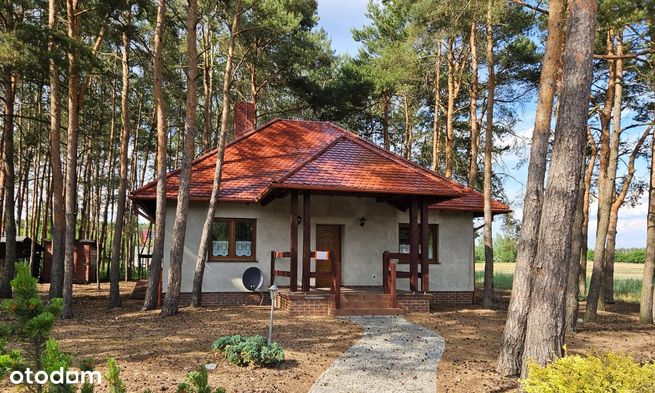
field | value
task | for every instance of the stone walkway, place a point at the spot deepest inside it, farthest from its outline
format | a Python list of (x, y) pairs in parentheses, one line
[(393, 355)]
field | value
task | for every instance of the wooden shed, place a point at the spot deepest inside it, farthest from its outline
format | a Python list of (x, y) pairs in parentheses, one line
[(24, 248), (84, 261)]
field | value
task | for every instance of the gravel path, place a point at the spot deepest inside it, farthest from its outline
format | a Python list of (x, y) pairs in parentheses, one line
[(393, 355)]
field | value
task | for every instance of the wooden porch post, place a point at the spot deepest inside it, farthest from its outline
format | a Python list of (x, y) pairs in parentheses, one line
[(413, 244), (293, 247), (306, 239), (425, 232)]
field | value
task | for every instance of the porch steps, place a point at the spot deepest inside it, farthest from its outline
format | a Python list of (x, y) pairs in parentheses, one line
[(363, 303)]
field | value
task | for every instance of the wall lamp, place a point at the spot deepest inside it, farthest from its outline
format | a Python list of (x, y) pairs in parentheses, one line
[(362, 221)]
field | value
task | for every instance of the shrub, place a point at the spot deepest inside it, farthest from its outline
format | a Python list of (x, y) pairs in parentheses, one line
[(54, 359), (246, 351), (30, 324), (592, 374), (197, 382), (114, 377), (624, 255), (504, 250)]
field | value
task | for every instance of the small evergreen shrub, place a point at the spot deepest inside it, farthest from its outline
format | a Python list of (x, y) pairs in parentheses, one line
[(247, 351), (53, 359), (591, 374), (197, 382), (113, 377)]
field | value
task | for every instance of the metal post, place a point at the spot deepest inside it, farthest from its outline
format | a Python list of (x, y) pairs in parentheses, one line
[(273, 290)]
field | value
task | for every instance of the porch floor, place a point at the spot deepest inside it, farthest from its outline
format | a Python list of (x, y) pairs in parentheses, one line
[(354, 300)]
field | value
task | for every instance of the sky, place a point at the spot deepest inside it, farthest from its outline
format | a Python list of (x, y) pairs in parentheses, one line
[(338, 17)]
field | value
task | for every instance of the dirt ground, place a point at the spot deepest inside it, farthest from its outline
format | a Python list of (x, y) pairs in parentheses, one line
[(473, 336), (157, 353)]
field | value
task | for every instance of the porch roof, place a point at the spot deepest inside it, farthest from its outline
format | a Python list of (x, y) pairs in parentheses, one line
[(308, 155)]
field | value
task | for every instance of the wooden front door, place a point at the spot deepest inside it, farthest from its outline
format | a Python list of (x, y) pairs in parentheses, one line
[(328, 238)]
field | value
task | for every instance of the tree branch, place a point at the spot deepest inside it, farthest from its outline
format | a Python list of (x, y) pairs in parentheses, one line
[(530, 6)]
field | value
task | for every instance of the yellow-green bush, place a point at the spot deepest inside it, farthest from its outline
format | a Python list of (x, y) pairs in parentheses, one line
[(609, 373)]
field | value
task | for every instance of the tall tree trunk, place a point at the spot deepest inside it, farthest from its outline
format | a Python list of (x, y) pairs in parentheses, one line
[(155, 268), (9, 267), (196, 299), (385, 120), (2, 181), (114, 290), (544, 334), (589, 172), (73, 16), (572, 289), (408, 128), (473, 108), (208, 85), (606, 194), (450, 108), (436, 131), (510, 358), (610, 247), (488, 293), (172, 299), (646, 298), (110, 189)]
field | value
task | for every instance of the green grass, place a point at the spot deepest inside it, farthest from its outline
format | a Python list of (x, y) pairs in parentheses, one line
[(501, 280), (625, 289)]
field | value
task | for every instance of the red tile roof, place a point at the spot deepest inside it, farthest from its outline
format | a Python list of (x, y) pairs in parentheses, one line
[(312, 155), (472, 201)]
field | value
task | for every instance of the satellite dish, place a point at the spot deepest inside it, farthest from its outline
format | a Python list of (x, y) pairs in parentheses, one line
[(253, 278)]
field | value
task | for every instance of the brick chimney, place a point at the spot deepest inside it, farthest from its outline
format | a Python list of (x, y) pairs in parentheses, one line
[(244, 118)]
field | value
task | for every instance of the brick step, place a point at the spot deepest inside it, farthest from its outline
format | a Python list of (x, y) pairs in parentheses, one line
[(368, 311), (386, 303), (360, 297)]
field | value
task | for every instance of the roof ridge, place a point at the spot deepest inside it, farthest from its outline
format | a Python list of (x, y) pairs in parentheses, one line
[(207, 154), (393, 156), (311, 158)]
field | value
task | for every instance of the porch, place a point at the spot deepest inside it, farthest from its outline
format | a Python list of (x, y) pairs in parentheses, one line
[(352, 301), (312, 274)]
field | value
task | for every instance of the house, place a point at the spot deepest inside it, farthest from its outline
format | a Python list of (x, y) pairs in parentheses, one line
[(327, 215)]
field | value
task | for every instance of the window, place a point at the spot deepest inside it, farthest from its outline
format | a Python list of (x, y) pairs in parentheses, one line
[(232, 240), (433, 241)]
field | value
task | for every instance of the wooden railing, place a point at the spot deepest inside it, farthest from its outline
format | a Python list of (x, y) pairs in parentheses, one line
[(402, 258), (334, 274), (390, 274), (276, 272)]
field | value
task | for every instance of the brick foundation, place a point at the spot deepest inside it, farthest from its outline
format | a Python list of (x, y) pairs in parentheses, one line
[(298, 303), (454, 297), (227, 298), (417, 302)]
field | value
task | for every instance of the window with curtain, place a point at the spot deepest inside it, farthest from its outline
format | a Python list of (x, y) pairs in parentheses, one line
[(433, 241), (233, 239)]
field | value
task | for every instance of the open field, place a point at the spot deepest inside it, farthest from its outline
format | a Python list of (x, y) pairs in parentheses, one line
[(157, 353), (627, 278), (621, 270)]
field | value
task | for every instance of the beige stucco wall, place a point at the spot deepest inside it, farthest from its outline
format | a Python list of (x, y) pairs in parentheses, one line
[(362, 247)]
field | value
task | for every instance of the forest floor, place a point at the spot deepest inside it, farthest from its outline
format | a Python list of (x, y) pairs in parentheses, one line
[(473, 338), (157, 353)]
